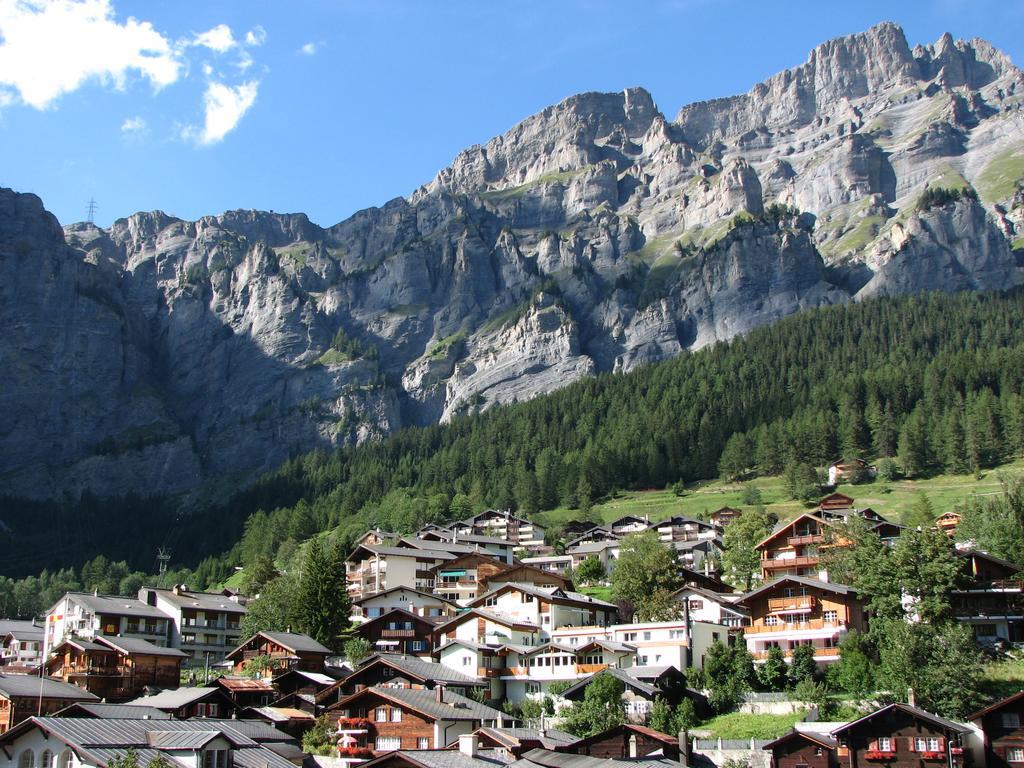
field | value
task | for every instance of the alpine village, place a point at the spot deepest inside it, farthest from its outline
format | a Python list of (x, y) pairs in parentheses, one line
[(627, 442)]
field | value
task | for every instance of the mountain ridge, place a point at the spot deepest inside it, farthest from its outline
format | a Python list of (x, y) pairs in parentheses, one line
[(595, 235)]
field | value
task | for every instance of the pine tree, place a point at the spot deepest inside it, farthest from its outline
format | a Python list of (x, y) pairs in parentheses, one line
[(322, 603)]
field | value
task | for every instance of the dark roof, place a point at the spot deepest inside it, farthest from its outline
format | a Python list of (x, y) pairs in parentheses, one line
[(175, 699), (648, 690), (31, 685), (991, 558), (495, 616), (115, 605), (828, 586), (514, 737), (204, 601), (417, 668), (816, 737), (545, 758), (451, 707), (996, 706), (664, 738), (442, 758), (132, 645), (424, 554), (111, 711), (240, 684), (915, 712), (553, 594), (293, 642), (100, 740)]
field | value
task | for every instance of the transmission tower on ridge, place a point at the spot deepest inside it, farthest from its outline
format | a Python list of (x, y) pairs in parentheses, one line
[(163, 557), (90, 211)]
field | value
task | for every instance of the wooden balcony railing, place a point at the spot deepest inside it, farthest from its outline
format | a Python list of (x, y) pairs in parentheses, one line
[(806, 538), (488, 672), (818, 652), (588, 669), (794, 626), (791, 562), (797, 603), (398, 633)]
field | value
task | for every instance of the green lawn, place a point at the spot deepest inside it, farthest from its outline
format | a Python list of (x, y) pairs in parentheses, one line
[(1003, 678), (739, 725), (601, 593), (890, 499)]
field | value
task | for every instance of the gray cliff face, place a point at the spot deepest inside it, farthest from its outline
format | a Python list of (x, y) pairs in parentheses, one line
[(168, 356)]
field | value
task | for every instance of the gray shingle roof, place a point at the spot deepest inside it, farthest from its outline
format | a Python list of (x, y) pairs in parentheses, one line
[(436, 554), (117, 606), (141, 647), (424, 670), (451, 707), (913, 712), (204, 601), (544, 758), (828, 586), (17, 625), (295, 642), (550, 738), (106, 738), (30, 685), (112, 711), (179, 697), (451, 758)]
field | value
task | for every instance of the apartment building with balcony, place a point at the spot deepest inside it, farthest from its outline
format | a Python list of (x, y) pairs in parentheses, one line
[(605, 552), (464, 578), (205, 625), (547, 608), (285, 650), (502, 524), (700, 604), (22, 645), (400, 631), (991, 602), (403, 598), (550, 563), (373, 568), (656, 643), (89, 615), (796, 610), (500, 549), (530, 671), (680, 528), (794, 549)]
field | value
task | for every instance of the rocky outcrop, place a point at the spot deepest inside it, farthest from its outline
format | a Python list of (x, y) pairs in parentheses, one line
[(161, 355)]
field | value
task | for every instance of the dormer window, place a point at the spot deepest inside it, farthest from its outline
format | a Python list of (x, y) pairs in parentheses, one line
[(215, 758)]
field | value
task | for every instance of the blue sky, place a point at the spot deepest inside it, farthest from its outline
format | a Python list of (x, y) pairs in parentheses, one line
[(196, 107)]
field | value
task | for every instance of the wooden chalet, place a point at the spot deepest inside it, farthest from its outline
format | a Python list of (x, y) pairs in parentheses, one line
[(523, 573), (804, 748), (515, 741), (116, 668), (386, 719), (464, 577), (285, 650), (991, 601), (835, 501), (247, 691), (188, 702), (295, 681), (400, 631), (793, 548), (1001, 724), (849, 470), (902, 736), (626, 741), (794, 610), (948, 522), (722, 516), (294, 722), (394, 671), (24, 696)]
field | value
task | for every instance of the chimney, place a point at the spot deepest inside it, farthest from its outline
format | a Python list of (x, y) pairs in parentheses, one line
[(911, 698), (684, 749), (467, 744), (632, 745), (439, 693)]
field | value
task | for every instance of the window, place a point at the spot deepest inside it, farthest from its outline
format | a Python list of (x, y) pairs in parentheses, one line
[(423, 743), (533, 687), (934, 744), (885, 744), (382, 715), (831, 617), (64, 759), (46, 759), (396, 715), (1010, 720), (527, 598), (647, 635), (920, 744), (212, 710), (388, 743), (629, 637), (27, 759), (200, 710), (491, 601), (215, 758), (1015, 755)]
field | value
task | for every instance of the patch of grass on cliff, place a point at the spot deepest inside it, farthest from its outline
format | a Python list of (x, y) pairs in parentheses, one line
[(298, 253), (445, 346), (508, 317), (511, 193), (1000, 177), (863, 232), (333, 357)]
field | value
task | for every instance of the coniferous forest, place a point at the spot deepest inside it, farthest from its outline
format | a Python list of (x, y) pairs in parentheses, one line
[(935, 381)]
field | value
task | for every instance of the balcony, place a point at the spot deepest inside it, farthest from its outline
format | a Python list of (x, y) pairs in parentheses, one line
[(794, 626), (789, 604), (590, 669), (488, 672), (805, 538), (395, 633), (818, 653), (769, 564)]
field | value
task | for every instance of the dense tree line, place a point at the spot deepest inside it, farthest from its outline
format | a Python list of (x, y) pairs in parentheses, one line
[(935, 381)]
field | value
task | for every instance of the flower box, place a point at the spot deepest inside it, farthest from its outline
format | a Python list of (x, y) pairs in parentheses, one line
[(877, 754), (933, 755)]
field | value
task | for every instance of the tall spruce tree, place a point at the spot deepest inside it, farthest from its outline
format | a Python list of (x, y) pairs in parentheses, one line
[(323, 603)]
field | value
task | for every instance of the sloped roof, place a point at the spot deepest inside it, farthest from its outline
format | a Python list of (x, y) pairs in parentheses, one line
[(116, 606), (828, 586), (545, 758), (385, 592), (443, 758), (996, 706), (621, 674), (513, 737), (32, 685), (239, 684), (111, 711), (916, 712), (553, 594), (418, 668), (204, 601), (291, 641), (816, 737), (498, 618), (132, 645), (451, 707), (313, 677), (181, 739), (174, 699)]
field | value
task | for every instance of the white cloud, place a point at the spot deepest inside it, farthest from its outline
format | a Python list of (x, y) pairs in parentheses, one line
[(255, 36), (219, 39), (311, 48), (133, 125), (51, 47), (225, 107)]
